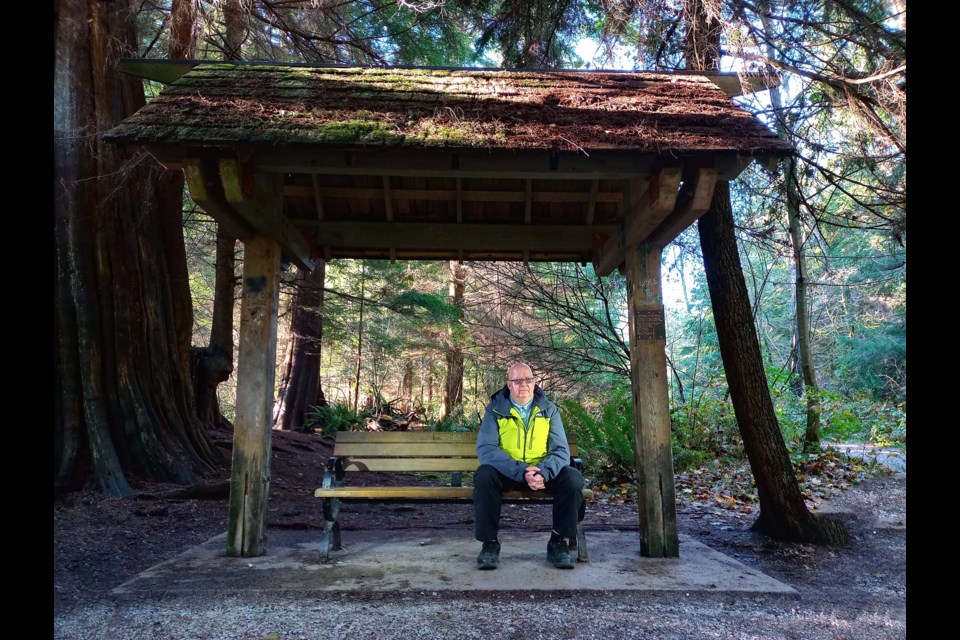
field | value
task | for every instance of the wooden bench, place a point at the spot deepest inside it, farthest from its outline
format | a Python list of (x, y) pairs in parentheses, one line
[(407, 452)]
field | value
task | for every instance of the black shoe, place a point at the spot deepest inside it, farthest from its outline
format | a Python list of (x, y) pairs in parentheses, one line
[(558, 552), (489, 555)]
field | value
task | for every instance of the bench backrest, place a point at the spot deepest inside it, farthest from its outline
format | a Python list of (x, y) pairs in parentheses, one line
[(413, 450)]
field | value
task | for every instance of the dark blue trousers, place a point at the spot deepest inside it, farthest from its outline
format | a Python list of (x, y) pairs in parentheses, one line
[(489, 485)]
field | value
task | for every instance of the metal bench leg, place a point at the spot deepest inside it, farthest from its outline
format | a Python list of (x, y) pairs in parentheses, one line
[(330, 536), (581, 544)]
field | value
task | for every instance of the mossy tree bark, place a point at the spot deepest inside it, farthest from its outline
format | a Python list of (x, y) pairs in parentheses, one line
[(453, 384), (300, 386), (124, 406), (213, 364)]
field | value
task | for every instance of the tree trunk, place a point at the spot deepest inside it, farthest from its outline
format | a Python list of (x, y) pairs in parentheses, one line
[(300, 387), (124, 405), (453, 387), (406, 387), (183, 32), (213, 364), (783, 515), (356, 385), (803, 350), (236, 13), (208, 367), (811, 436), (215, 361)]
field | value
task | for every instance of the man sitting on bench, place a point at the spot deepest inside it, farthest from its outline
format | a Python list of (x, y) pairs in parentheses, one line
[(522, 445)]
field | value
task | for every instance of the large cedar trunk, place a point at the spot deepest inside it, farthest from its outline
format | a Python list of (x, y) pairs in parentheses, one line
[(300, 384), (783, 513), (124, 404), (453, 385), (213, 364)]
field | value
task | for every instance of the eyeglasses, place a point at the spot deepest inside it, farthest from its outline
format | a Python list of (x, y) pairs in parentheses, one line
[(519, 381)]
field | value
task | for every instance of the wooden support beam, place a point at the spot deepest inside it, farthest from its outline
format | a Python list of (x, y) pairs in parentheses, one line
[(530, 163), (387, 198), (459, 199), (257, 196), (656, 494), (450, 236), (692, 202), (647, 214), (526, 196), (528, 201), (256, 365), (592, 201), (203, 182), (602, 165), (645, 205), (318, 196)]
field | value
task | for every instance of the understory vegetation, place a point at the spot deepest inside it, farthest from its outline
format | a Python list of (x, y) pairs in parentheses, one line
[(821, 237)]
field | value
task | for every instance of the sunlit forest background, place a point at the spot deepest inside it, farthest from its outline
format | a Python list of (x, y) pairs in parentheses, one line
[(825, 233)]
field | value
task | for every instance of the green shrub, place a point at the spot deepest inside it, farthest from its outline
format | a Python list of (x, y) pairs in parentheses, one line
[(457, 420), (862, 418), (700, 433), (704, 429), (333, 418), (604, 436), (791, 411)]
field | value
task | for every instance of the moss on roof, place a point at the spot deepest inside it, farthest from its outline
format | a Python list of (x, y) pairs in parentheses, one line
[(224, 104)]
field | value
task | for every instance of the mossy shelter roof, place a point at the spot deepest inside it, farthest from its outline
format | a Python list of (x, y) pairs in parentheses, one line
[(451, 163)]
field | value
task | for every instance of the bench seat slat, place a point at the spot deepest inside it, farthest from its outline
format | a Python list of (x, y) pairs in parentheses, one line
[(411, 450), (406, 436), (424, 493), (407, 449), (417, 436), (410, 464)]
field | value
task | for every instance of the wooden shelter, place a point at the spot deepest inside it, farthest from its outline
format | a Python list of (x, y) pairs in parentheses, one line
[(310, 163)]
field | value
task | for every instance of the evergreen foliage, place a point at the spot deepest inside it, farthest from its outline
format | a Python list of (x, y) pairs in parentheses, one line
[(842, 72), (334, 417)]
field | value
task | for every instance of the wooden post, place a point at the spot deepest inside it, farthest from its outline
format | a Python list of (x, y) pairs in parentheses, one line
[(656, 496), (256, 364)]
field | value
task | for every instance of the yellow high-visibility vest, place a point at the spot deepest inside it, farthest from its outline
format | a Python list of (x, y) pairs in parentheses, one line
[(525, 445)]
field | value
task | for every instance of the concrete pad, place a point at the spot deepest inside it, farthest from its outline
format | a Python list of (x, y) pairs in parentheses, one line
[(430, 560)]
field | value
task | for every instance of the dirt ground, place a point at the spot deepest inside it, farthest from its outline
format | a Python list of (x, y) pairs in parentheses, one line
[(101, 542)]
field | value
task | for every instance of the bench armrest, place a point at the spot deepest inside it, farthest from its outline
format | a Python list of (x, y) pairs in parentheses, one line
[(577, 463), (334, 475)]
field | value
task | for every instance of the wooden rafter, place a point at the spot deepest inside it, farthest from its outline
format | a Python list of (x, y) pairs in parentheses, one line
[(645, 205), (692, 202), (592, 200), (256, 196)]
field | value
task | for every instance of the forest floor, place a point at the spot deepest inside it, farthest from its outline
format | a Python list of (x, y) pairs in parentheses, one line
[(857, 591)]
